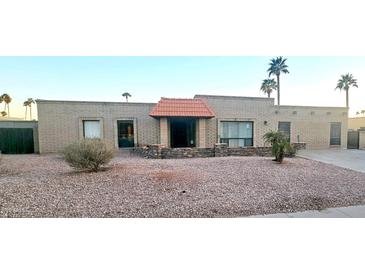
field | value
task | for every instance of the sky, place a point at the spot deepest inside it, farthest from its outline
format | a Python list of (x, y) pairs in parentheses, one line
[(311, 80)]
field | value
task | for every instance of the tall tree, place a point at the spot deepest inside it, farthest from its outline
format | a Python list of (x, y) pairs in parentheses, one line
[(7, 99), (126, 95), (277, 66), (26, 109), (30, 102), (363, 112), (268, 86), (344, 83), (1, 101)]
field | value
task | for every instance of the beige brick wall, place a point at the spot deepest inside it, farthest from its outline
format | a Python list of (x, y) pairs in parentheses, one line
[(312, 124), (59, 122)]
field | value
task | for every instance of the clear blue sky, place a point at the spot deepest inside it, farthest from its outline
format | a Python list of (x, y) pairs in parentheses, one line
[(311, 80)]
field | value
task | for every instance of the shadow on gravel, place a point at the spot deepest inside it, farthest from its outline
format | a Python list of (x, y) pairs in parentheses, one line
[(84, 171)]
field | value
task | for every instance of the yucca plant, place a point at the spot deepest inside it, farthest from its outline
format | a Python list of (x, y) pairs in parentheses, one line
[(279, 145)]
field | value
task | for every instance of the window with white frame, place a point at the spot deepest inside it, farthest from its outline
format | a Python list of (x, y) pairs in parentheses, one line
[(92, 129), (236, 134)]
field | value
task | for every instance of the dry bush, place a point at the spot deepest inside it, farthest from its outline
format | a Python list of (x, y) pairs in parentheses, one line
[(88, 154)]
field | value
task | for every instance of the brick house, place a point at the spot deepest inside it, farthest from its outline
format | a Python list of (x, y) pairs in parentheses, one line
[(199, 122)]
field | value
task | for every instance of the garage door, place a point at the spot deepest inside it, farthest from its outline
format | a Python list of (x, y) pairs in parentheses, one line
[(16, 140)]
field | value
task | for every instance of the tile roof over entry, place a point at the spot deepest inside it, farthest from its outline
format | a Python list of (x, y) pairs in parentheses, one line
[(170, 107)]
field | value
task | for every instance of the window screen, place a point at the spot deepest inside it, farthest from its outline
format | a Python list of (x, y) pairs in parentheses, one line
[(284, 127), (237, 134), (92, 129), (335, 134)]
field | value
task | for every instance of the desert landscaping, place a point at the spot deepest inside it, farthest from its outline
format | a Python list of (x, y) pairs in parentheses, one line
[(45, 186)]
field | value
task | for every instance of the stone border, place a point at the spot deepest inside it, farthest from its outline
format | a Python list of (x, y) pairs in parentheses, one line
[(220, 150)]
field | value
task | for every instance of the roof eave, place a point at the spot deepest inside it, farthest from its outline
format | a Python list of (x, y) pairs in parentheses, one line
[(180, 116)]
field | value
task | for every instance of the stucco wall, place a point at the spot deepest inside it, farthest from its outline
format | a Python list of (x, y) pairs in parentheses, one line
[(59, 122), (356, 123), (312, 124)]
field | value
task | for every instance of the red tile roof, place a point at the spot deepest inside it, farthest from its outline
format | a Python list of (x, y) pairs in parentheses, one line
[(169, 107)]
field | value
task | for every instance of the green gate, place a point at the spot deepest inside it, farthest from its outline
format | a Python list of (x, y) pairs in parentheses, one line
[(16, 140), (353, 139)]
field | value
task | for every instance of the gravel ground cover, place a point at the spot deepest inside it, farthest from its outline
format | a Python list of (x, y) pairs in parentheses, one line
[(44, 186)]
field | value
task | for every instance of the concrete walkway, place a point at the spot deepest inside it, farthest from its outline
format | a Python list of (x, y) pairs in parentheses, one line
[(348, 158), (339, 212)]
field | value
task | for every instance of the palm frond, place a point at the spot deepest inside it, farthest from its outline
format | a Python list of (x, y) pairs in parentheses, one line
[(277, 65), (346, 81)]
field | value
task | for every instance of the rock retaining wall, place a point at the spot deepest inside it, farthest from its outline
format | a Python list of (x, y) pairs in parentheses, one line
[(219, 150)]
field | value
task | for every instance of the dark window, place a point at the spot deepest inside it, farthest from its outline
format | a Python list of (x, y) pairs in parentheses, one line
[(125, 133), (284, 127), (335, 134), (236, 134)]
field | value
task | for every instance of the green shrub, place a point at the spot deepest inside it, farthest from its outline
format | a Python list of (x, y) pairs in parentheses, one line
[(280, 145), (88, 154)]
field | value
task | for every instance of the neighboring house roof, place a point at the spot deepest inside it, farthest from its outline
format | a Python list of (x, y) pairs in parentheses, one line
[(170, 107)]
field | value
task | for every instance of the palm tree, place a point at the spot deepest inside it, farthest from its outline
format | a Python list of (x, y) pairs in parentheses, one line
[(2, 100), (268, 85), (277, 66), (28, 103), (26, 109), (363, 112), (357, 113), (126, 95), (7, 99), (344, 83)]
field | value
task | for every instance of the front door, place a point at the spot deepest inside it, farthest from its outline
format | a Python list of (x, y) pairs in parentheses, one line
[(125, 133), (182, 132)]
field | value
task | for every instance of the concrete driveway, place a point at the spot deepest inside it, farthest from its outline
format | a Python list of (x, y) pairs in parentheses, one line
[(339, 212), (348, 158)]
